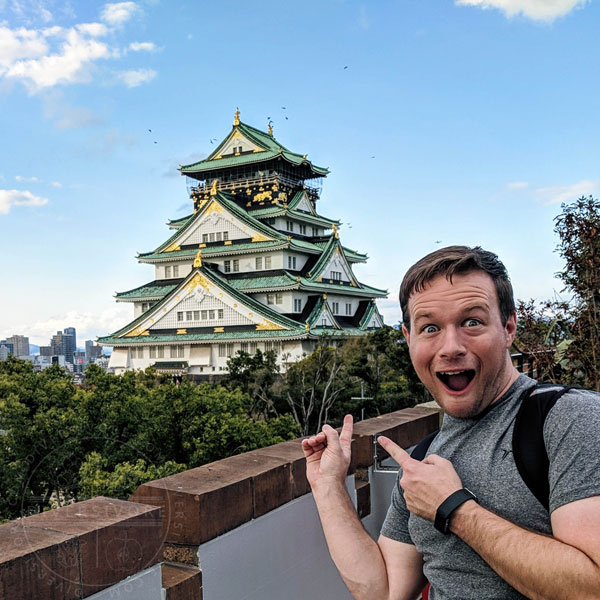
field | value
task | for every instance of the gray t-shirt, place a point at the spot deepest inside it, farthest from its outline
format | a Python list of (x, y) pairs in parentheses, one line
[(480, 450)]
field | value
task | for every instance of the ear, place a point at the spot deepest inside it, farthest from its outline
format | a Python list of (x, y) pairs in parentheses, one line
[(511, 329), (406, 335)]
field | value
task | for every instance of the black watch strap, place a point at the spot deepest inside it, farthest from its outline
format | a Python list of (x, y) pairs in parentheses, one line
[(448, 506)]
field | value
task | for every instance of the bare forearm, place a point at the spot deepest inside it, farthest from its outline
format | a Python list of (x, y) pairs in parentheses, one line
[(538, 566), (356, 555)]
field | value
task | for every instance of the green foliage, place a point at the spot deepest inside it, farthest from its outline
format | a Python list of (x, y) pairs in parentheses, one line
[(58, 442), (563, 338), (122, 479)]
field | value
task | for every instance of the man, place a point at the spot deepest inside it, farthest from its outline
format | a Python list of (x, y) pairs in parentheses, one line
[(459, 322)]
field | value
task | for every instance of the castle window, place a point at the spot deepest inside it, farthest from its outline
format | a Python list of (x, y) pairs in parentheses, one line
[(180, 316), (289, 225), (348, 308), (220, 313), (205, 238), (259, 263), (133, 353), (227, 266), (229, 349), (236, 265), (167, 272), (221, 350), (315, 231), (204, 314), (244, 346), (279, 298), (270, 298), (219, 234), (176, 351), (225, 236), (152, 351), (252, 348), (335, 307), (297, 305), (211, 237), (196, 315), (141, 352), (160, 352), (211, 315), (175, 270), (336, 275), (188, 315), (291, 262), (267, 262), (268, 346), (303, 229)]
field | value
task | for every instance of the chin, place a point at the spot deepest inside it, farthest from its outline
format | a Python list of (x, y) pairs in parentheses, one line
[(457, 407)]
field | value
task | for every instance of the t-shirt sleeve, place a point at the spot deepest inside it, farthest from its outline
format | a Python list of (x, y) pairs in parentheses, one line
[(572, 437), (395, 525)]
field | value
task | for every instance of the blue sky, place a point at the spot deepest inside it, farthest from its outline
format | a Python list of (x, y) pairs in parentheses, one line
[(442, 122)]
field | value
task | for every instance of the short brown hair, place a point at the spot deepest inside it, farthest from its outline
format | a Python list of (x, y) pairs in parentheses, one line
[(458, 260)]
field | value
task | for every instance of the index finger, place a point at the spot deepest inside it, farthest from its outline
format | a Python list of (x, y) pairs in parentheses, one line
[(401, 456)]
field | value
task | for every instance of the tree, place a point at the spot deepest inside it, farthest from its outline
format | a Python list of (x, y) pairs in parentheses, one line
[(314, 384), (578, 227)]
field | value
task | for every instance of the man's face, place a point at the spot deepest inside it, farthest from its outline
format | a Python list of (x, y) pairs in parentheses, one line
[(458, 344)]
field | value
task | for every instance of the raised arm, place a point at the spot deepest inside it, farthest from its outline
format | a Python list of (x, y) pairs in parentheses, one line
[(384, 570)]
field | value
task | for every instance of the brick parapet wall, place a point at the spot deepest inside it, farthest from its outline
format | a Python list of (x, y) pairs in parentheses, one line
[(72, 552), (203, 503)]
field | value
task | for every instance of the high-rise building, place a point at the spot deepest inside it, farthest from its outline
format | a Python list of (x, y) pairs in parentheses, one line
[(71, 331), (20, 344), (62, 345), (92, 351), (46, 350), (254, 266)]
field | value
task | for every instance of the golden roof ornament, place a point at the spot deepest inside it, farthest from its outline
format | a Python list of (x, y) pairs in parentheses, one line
[(213, 189), (198, 259), (236, 118), (306, 326), (335, 231), (271, 128)]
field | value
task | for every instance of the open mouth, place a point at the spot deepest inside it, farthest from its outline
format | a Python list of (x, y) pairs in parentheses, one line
[(457, 381)]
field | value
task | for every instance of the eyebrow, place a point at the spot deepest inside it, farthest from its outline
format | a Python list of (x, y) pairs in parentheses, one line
[(475, 307)]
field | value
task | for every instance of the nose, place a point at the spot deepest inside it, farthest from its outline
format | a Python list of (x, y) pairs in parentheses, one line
[(452, 344)]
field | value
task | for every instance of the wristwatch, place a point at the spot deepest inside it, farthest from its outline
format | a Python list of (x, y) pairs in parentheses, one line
[(448, 506)]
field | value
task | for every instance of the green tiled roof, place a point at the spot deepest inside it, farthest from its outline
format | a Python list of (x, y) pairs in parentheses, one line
[(150, 290), (272, 149), (178, 223), (248, 284), (278, 211), (226, 201), (216, 279)]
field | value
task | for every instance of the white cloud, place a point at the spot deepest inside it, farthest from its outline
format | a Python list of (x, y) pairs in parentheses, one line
[(56, 184), (70, 65), (118, 13), (143, 47), (93, 29), (537, 10), (66, 116), (10, 198), (42, 58), (88, 325), (22, 179), (517, 185), (135, 78), (556, 194)]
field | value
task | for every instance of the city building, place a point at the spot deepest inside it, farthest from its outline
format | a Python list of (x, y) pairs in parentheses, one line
[(92, 352), (254, 266), (62, 345), (20, 344)]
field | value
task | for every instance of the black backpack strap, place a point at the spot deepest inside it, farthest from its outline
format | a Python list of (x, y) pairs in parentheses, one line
[(529, 450), (420, 450)]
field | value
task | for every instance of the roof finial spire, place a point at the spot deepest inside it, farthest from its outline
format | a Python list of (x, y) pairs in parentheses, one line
[(213, 189), (271, 128), (236, 119), (336, 233), (198, 260)]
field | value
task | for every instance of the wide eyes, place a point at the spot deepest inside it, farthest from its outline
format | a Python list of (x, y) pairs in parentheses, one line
[(472, 322), (430, 329)]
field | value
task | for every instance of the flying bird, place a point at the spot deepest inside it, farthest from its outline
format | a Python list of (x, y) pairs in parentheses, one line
[(283, 107), (150, 130), (346, 67), (155, 142), (286, 119), (438, 241)]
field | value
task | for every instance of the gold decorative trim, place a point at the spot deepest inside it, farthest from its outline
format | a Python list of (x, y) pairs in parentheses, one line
[(136, 332), (213, 189), (227, 243), (219, 330), (174, 246), (197, 262), (214, 207), (201, 245), (236, 118), (197, 280), (260, 238), (268, 326), (181, 331)]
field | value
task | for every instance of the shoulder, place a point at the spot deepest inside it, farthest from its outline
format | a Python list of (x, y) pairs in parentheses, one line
[(574, 404)]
